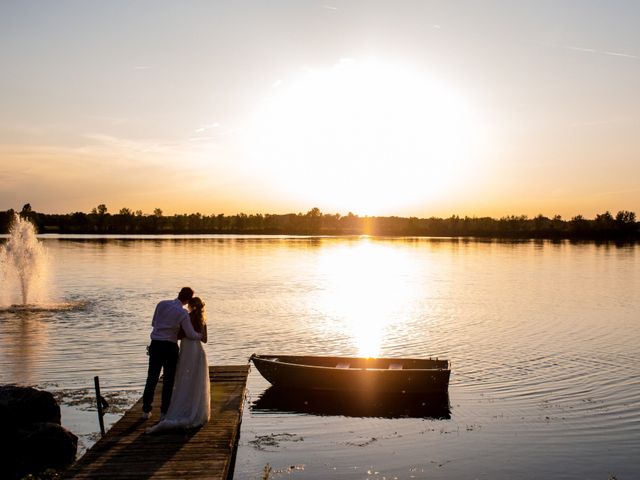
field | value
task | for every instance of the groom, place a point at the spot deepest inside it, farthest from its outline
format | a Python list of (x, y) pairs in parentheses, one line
[(169, 316)]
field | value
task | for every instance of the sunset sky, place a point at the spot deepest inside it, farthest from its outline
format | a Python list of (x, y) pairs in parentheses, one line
[(376, 107)]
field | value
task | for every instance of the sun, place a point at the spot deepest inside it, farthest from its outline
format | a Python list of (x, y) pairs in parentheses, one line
[(362, 136)]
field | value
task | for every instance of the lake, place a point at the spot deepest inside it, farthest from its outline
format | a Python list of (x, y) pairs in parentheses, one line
[(542, 337)]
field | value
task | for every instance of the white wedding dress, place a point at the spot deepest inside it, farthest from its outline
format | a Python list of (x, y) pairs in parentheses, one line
[(191, 399)]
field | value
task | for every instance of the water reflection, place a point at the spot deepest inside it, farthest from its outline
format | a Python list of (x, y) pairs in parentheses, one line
[(24, 345), (356, 404), (25, 338), (366, 287)]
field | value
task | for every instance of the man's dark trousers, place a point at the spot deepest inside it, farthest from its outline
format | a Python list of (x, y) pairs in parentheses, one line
[(163, 355)]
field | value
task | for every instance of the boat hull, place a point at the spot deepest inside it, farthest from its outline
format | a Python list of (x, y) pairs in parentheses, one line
[(396, 376)]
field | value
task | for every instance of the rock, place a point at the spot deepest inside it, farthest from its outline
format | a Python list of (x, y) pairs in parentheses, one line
[(7, 419), (31, 437), (45, 445), (7, 441), (29, 405)]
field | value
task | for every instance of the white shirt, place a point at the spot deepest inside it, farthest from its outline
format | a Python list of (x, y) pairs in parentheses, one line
[(169, 316)]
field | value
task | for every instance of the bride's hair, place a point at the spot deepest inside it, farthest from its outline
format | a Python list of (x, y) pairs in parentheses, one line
[(198, 316)]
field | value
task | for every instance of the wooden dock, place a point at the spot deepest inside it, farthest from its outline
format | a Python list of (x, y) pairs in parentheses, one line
[(207, 453)]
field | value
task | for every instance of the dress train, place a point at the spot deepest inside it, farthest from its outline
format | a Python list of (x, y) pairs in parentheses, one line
[(191, 399)]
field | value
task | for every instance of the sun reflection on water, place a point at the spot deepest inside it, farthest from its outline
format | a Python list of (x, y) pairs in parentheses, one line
[(367, 288)]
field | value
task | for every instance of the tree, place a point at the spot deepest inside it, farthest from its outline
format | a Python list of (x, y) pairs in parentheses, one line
[(314, 212), (27, 213), (604, 218), (100, 209), (100, 218), (625, 216), (626, 222), (158, 220), (313, 220)]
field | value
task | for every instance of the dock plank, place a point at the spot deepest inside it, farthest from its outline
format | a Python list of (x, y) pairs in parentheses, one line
[(207, 453)]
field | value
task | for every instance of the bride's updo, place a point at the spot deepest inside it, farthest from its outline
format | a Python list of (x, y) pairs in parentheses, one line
[(198, 316)]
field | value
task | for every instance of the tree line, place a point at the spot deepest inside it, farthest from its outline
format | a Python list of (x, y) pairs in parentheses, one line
[(100, 221)]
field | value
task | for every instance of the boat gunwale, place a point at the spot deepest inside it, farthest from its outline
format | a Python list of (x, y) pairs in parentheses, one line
[(276, 360)]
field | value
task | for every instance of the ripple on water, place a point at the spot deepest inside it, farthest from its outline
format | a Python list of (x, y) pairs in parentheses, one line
[(542, 343), (44, 307)]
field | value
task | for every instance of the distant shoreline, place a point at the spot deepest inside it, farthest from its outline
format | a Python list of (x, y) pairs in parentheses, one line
[(619, 227)]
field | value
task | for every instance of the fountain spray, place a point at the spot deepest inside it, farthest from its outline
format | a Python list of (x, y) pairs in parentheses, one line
[(23, 257)]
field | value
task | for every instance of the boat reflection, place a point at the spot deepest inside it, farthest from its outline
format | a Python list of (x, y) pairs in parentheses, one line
[(357, 404)]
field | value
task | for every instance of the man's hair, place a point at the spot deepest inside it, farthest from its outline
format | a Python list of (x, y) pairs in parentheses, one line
[(186, 293)]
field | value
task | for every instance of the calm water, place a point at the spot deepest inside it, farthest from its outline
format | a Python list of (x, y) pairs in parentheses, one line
[(543, 338)]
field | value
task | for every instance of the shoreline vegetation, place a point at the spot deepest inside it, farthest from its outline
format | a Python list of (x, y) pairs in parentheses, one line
[(619, 227)]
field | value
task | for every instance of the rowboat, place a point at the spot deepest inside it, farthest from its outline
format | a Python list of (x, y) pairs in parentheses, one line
[(356, 374)]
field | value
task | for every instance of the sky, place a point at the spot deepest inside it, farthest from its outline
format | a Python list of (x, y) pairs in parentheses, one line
[(408, 108)]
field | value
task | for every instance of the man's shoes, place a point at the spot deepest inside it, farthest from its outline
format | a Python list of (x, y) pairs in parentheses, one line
[(146, 415)]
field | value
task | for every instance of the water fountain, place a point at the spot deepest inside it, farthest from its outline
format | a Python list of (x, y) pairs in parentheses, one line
[(23, 259)]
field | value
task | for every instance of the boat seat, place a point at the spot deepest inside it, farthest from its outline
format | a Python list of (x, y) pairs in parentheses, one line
[(395, 366), (343, 365)]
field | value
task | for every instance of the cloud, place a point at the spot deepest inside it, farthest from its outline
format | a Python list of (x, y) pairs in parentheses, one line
[(208, 126), (609, 193), (108, 169), (202, 138), (600, 52), (57, 178), (126, 148), (594, 123), (329, 7)]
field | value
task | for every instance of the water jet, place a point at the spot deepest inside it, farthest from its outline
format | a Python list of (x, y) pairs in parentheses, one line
[(23, 260)]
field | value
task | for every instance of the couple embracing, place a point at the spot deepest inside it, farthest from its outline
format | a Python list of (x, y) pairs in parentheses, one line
[(185, 390)]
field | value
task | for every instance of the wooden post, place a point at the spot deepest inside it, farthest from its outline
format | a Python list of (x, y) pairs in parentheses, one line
[(99, 402)]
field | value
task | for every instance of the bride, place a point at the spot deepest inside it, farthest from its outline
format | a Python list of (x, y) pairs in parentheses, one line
[(190, 401)]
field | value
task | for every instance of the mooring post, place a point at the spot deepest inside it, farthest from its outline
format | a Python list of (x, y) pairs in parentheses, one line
[(101, 402)]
